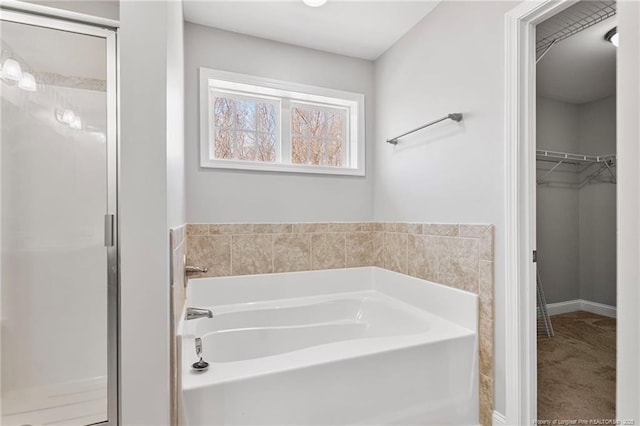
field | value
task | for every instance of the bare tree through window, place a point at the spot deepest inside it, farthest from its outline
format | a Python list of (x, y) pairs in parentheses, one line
[(245, 129), (317, 136)]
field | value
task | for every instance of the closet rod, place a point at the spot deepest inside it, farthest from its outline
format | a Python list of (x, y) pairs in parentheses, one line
[(455, 116)]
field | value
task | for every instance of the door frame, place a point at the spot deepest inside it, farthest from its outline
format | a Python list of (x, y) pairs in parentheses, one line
[(51, 18), (520, 140), (520, 218), (628, 212)]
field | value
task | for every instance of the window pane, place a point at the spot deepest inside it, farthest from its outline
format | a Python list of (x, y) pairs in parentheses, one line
[(335, 154), (266, 148), (317, 154), (245, 129), (222, 144), (245, 115), (298, 121), (318, 134), (245, 146), (307, 121), (298, 151), (266, 118), (334, 126), (223, 112)]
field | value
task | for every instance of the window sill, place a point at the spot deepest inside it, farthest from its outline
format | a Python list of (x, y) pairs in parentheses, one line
[(286, 168)]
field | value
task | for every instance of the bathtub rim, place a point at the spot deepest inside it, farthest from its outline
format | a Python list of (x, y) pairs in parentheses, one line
[(453, 306), (411, 290), (277, 364)]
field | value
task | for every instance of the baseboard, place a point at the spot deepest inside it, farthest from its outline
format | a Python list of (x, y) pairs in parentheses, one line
[(499, 419), (581, 305), (564, 307), (599, 308)]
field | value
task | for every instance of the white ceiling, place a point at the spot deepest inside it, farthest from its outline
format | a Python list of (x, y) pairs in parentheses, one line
[(362, 29), (581, 68)]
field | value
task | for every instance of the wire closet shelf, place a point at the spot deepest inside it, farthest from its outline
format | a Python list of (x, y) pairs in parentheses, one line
[(544, 328), (589, 167), (572, 20)]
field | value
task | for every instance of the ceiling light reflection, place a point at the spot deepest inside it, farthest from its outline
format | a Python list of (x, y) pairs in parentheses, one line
[(27, 82), (68, 116), (76, 124), (11, 70), (314, 3)]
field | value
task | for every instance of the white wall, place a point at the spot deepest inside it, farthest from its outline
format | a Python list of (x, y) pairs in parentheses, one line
[(216, 195), (628, 130), (452, 61), (176, 194), (597, 206), (576, 228), (150, 202), (558, 236)]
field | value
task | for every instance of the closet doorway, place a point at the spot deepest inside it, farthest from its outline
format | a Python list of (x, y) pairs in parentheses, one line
[(576, 214)]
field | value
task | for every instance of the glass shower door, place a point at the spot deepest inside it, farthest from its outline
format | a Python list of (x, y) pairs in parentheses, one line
[(59, 258)]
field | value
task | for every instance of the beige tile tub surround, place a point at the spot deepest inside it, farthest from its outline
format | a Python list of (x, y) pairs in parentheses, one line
[(456, 255), (243, 249), (291, 252), (459, 256)]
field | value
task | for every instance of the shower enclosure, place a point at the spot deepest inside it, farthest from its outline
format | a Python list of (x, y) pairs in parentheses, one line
[(59, 264)]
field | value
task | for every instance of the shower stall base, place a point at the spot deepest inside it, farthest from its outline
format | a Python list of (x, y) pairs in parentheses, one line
[(70, 404)]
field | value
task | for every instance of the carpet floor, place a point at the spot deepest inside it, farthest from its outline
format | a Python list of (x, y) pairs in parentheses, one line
[(577, 368)]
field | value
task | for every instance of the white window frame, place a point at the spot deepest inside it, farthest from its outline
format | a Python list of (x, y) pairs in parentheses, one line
[(288, 93)]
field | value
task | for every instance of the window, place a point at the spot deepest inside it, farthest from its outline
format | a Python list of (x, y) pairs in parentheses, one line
[(255, 123), (244, 128), (317, 134)]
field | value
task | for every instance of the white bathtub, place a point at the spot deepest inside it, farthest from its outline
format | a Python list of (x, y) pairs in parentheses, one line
[(347, 346)]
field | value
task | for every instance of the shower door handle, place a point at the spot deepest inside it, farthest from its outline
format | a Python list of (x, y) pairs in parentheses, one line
[(109, 220)]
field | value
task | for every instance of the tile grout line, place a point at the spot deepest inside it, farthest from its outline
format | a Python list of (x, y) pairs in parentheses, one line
[(406, 255), (311, 252), (439, 251), (231, 254), (344, 253), (309, 236)]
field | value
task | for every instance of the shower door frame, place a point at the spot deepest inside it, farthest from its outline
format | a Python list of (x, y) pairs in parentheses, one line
[(46, 17)]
